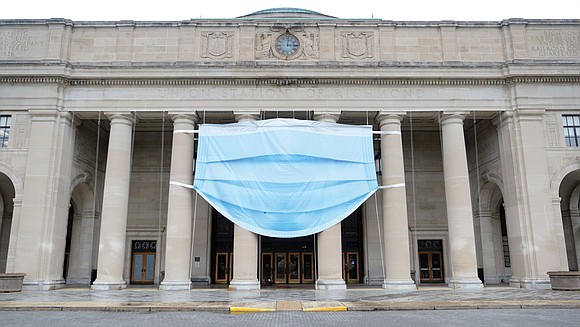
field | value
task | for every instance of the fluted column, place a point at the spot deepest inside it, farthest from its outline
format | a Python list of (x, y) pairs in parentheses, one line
[(458, 200), (329, 252), (395, 221), (245, 275), (115, 205), (180, 207)]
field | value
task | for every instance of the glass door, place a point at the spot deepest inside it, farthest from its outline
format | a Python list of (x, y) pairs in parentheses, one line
[(431, 267), (294, 268), (143, 268), (222, 267), (143, 261), (307, 267), (267, 269), (280, 268), (351, 267)]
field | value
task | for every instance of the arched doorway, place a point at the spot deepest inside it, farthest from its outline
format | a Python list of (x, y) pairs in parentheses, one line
[(494, 244), (569, 192), (81, 233), (7, 194)]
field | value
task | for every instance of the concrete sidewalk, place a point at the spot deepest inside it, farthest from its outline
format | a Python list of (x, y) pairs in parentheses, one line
[(293, 299)]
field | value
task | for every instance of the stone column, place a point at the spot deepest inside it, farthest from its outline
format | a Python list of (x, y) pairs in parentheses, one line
[(329, 252), (458, 199), (112, 245), (245, 275), (395, 221), (180, 207)]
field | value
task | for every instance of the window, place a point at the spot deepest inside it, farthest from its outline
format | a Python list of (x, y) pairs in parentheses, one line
[(4, 131), (571, 129)]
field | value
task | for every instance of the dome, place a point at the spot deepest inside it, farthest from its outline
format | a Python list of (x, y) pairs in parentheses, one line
[(286, 13)]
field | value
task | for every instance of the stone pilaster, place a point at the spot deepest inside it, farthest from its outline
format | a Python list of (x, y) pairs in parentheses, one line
[(329, 241), (39, 236), (395, 221), (528, 203), (112, 245), (180, 207), (458, 199), (245, 275)]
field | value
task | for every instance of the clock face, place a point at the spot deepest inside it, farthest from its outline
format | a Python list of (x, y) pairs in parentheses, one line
[(287, 44)]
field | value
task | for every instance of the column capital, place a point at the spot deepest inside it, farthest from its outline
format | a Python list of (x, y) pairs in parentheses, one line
[(243, 116), (128, 117), (184, 117), (453, 117), (327, 116), (384, 118)]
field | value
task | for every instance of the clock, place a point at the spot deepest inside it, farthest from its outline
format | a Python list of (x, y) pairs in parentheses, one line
[(287, 45)]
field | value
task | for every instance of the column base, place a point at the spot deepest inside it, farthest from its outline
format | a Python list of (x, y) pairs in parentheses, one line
[(244, 285), (175, 285), (399, 284), (108, 286), (472, 284), (330, 284), (531, 284), (42, 285)]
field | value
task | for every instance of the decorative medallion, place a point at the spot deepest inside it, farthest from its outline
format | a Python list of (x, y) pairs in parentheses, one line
[(288, 45), (357, 45), (216, 45)]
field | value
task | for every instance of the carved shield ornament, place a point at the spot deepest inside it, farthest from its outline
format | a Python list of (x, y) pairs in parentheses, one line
[(357, 45), (217, 45)]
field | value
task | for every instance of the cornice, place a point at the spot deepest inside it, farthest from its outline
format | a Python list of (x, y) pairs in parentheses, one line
[(241, 21), (304, 82)]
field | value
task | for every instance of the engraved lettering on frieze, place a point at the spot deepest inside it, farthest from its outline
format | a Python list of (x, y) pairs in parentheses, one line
[(17, 43), (554, 43), (216, 45), (264, 45), (310, 45), (357, 45)]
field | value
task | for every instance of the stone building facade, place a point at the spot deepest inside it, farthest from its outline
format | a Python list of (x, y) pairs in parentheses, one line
[(479, 126)]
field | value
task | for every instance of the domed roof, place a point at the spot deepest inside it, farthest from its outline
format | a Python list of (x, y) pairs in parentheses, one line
[(286, 12)]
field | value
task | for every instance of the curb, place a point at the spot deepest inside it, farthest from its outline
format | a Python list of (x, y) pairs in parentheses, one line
[(249, 310), (326, 309), (224, 307)]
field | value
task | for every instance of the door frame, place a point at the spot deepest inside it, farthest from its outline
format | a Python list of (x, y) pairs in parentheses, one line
[(346, 266), (229, 268), (312, 273), (432, 279), (145, 248), (298, 272), (281, 280)]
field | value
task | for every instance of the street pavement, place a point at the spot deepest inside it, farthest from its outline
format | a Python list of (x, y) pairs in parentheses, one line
[(222, 300), (432, 318)]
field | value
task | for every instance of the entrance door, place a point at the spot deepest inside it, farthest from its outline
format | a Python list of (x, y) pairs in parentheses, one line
[(267, 268), (307, 267), (350, 267), (430, 261), (143, 268), (280, 268), (143, 262), (223, 271), (431, 267), (293, 268)]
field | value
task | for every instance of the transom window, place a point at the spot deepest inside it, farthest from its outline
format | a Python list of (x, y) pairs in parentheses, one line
[(4, 131), (571, 129)]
